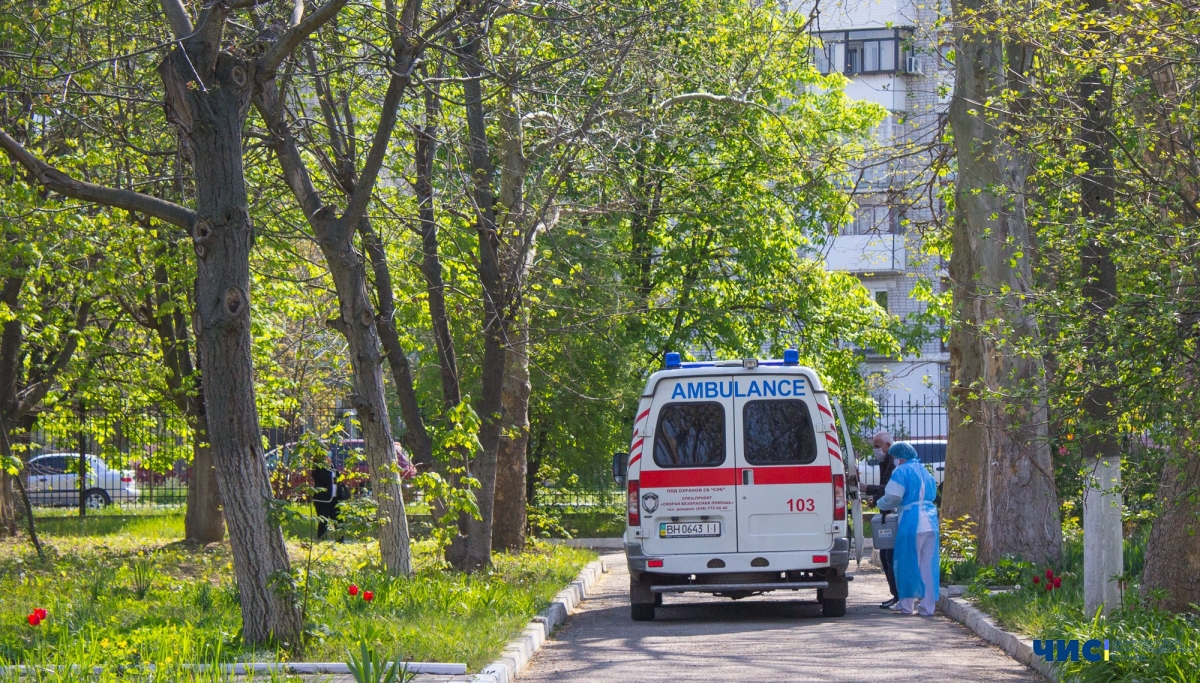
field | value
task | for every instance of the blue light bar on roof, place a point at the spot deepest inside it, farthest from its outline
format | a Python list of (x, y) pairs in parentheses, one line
[(673, 361), (791, 357)]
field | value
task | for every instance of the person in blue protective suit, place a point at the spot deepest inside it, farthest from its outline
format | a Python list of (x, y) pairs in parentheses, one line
[(911, 490)]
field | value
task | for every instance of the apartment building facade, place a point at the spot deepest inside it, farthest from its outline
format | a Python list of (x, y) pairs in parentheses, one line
[(894, 54)]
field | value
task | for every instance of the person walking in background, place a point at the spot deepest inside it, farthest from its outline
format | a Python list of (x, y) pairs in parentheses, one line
[(911, 490), (881, 443), (325, 498)]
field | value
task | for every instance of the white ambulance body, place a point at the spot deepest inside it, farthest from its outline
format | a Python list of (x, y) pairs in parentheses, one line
[(736, 485)]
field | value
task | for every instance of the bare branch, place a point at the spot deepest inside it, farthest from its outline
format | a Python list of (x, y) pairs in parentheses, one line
[(57, 181), (295, 35), (177, 17)]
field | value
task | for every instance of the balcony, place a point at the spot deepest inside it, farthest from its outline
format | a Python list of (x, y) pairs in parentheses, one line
[(877, 253)]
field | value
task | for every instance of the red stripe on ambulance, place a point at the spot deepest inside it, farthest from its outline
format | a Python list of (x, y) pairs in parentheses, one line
[(707, 476), (805, 474)]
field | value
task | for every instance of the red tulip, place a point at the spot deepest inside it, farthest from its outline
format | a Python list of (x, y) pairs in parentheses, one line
[(34, 620), (352, 590), (368, 596), (1049, 573), (1057, 582), (1049, 586), (1037, 579), (41, 613)]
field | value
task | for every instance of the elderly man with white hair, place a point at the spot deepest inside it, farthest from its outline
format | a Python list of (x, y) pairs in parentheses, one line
[(881, 443)]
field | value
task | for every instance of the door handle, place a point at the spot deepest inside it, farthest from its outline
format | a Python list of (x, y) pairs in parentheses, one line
[(747, 477)]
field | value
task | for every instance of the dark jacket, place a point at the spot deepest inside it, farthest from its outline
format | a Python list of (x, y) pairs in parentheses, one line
[(886, 466)]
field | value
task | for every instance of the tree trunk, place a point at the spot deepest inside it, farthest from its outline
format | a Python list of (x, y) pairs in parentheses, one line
[(208, 96), (203, 522), (1171, 579), (472, 550), (416, 436), (8, 510), (1103, 559), (998, 466), (508, 522), (357, 324)]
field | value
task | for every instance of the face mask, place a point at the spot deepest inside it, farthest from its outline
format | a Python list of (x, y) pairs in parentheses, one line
[(878, 452)]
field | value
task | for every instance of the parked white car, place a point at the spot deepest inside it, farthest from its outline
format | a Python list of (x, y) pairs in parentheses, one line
[(54, 480), (933, 456)]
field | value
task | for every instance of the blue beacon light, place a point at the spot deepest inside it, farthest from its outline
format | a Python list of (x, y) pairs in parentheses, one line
[(790, 357), (673, 361)]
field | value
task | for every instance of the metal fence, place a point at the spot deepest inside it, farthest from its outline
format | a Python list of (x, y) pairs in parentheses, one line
[(583, 500), (909, 420), (149, 447)]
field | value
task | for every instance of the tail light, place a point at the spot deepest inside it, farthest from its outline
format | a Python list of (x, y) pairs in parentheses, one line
[(635, 518), (839, 498), (126, 480)]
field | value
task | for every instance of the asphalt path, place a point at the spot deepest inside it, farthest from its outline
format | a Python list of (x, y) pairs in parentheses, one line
[(775, 637)]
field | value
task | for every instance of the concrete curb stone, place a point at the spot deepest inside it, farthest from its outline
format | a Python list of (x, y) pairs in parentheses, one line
[(521, 649), (1020, 649), (617, 543)]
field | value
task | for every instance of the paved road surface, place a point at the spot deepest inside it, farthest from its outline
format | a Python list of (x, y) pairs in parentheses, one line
[(774, 637)]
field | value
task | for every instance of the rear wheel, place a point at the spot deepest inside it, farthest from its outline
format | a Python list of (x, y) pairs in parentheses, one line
[(833, 607), (95, 499), (641, 612)]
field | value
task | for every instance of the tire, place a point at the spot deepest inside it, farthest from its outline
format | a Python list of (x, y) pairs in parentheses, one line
[(833, 607), (94, 499), (641, 612)]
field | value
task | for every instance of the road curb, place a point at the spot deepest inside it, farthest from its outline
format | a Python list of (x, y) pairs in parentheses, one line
[(1020, 649), (521, 649)]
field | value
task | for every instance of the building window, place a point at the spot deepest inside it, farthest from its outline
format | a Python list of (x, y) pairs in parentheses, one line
[(872, 220), (872, 51), (881, 298)]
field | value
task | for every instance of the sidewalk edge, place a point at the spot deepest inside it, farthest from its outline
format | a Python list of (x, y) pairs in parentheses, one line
[(521, 649), (1020, 649)]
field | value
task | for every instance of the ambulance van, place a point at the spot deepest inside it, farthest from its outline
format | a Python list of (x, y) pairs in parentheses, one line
[(737, 485)]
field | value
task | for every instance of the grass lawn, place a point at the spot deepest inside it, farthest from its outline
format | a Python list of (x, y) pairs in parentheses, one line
[(120, 590)]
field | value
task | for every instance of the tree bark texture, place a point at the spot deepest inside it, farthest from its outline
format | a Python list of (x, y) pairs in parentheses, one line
[(998, 465), (508, 521), (208, 95)]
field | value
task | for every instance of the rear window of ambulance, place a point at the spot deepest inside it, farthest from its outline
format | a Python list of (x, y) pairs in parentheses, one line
[(778, 432), (690, 435)]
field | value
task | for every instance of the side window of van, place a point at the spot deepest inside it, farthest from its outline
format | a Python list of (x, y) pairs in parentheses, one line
[(690, 435), (778, 432)]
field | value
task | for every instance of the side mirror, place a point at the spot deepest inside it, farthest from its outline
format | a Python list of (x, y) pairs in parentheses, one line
[(620, 467)]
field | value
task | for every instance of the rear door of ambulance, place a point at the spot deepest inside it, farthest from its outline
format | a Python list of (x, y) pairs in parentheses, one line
[(687, 469), (784, 478)]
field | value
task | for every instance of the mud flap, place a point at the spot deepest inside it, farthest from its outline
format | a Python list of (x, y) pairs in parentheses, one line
[(639, 591), (839, 588)]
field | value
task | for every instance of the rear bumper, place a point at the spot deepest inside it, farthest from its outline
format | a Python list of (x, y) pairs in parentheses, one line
[(739, 587), (799, 560)]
